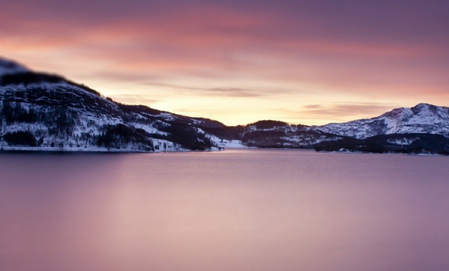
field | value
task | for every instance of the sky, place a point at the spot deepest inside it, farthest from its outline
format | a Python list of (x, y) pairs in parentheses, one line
[(303, 62)]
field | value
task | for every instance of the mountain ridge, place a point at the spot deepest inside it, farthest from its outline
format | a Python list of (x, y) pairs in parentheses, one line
[(422, 118), (41, 111), (47, 112)]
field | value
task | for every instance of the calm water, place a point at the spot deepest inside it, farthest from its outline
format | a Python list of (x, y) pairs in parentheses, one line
[(239, 210)]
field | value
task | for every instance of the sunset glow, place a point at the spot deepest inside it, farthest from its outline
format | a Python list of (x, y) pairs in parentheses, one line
[(308, 62)]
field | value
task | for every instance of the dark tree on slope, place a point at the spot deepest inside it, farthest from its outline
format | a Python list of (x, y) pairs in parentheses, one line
[(20, 138), (186, 136), (118, 136)]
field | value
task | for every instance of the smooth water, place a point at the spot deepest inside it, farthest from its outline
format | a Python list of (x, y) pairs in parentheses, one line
[(238, 210)]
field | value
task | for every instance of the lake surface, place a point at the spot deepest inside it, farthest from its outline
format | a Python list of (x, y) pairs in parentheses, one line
[(238, 210)]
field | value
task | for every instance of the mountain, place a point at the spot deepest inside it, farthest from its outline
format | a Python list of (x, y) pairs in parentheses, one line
[(420, 119), (274, 134), (40, 111), (46, 112), (423, 128)]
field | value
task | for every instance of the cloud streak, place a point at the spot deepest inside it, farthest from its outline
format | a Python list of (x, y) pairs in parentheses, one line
[(217, 91), (343, 110)]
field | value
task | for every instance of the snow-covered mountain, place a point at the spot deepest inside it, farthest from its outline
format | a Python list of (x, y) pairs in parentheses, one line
[(40, 111), (421, 129), (46, 112), (420, 119), (276, 134)]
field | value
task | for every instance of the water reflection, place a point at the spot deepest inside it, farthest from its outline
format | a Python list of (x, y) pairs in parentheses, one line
[(233, 210)]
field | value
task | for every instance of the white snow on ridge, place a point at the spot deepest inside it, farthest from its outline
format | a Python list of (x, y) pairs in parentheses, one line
[(166, 116), (225, 143), (423, 118), (402, 141)]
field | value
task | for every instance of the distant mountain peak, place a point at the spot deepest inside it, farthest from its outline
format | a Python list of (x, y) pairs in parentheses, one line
[(425, 108), (424, 105), (417, 109), (422, 118)]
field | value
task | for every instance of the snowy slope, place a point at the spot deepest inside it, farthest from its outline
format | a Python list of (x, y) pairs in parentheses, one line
[(420, 119), (402, 127), (46, 112), (276, 134)]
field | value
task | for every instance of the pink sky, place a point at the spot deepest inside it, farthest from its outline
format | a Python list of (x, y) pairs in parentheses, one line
[(308, 62)]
